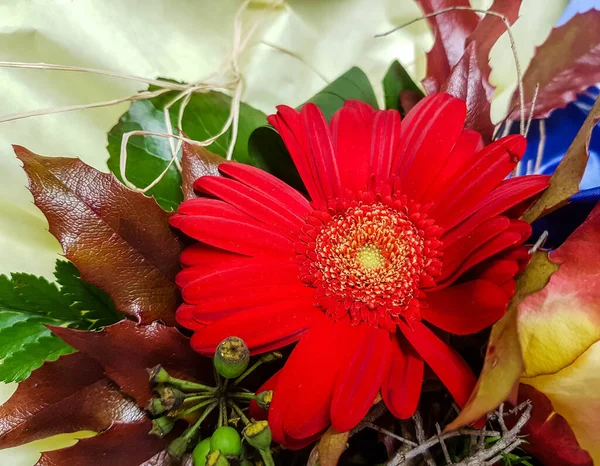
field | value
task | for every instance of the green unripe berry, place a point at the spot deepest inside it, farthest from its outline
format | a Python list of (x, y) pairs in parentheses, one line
[(231, 357), (227, 440), (178, 447), (162, 426), (201, 452)]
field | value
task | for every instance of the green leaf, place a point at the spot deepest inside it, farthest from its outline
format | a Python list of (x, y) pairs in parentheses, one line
[(266, 145), (352, 85), (397, 80), (148, 156), (28, 303), (87, 300)]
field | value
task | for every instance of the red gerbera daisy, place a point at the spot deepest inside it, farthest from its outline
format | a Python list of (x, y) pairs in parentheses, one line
[(407, 225)]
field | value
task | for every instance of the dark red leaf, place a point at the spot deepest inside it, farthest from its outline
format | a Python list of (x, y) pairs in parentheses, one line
[(119, 240), (549, 436), (565, 65), (196, 162), (466, 83), (451, 31), (125, 350), (68, 395), (490, 29), (121, 445)]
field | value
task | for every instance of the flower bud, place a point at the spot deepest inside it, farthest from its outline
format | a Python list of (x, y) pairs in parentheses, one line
[(216, 458), (258, 434), (158, 374), (272, 356), (156, 407), (263, 399), (170, 397), (162, 426), (231, 357), (178, 447), (201, 452), (227, 440)]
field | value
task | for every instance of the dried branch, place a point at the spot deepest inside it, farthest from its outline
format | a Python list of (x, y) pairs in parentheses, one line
[(481, 456)]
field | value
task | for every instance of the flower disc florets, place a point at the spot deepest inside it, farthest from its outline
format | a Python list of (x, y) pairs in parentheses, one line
[(369, 257)]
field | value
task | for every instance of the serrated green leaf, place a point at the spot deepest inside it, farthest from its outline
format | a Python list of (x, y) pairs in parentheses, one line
[(90, 303), (395, 81), (148, 156), (352, 85), (28, 303)]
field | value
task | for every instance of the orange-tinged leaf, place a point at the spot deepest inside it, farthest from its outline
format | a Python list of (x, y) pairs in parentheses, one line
[(330, 448), (563, 66), (549, 437), (196, 162), (565, 180), (561, 321), (574, 394), (503, 362), (120, 240), (466, 82)]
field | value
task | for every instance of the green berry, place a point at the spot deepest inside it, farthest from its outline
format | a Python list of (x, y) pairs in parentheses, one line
[(231, 357), (200, 452), (227, 440)]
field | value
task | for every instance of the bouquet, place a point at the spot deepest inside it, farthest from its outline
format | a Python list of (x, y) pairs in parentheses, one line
[(337, 283)]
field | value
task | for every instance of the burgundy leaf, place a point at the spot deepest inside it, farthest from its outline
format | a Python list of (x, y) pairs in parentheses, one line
[(549, 436), (196, 162), (451, 31), (125, 350), (121, 445), (565, 65), (68, 395), (120, 240), (489, 30), (466, 83)]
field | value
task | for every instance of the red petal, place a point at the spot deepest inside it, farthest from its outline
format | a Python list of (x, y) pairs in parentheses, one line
[(302, 398), (385, 142), (516, 234), (268, 185), (207, 257), (459, 160), (492, 165), (466, 308), (429, 137), (185, 317), (263, 328), (497, 271), (511, 192), (450, 368), (361, 376), (401, 388), (454, 256), (287, 123), (256, 412), (252, 272), (351, 127), (321, 149), (259, 206), (242, 237)]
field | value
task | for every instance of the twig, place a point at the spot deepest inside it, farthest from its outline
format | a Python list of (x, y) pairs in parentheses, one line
[(483, 457), (533, 102), (541, 146), (370, 425), (374, 413), (443, 444), (419, 431), (511, 40)]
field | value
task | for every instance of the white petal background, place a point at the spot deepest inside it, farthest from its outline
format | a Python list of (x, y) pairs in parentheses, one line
[(186, 40)]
